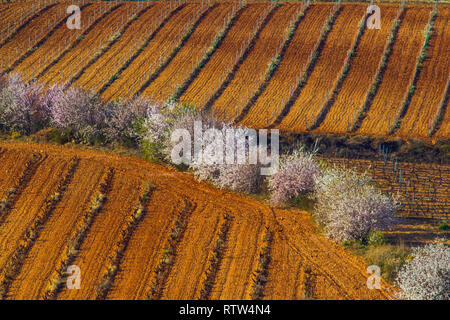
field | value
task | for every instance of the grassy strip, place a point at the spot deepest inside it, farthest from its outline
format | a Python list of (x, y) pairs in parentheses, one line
[(241, 59), (273, 66), (212, 48), (15, 192), (216, 258), (167, 259), (127, 232), (139, 51), (390, 258), (74, 244), (36, 46), (174, 52), (342, 75), (34, 16), (260, 275), (412, 84), (77, 41), (437, 119), (310, 64), (16, 260), (108, 46), (370, 95)]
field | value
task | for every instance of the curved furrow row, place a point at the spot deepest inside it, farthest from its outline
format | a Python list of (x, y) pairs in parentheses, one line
[(143, 252), (43, 258), (387, 101), (363, 67), (343, 271), (180, 42), (215, 256), (29, 200), (20, 18), (12, 164), (99, 68), (126, 234), (259, 277), (99, 242), (252, 62), (18, 185), (431, 82), (13, 17), (60, 276), (240, 260), (15, 261), (443, 115), (194, 251), (286, 279), (170, 252)]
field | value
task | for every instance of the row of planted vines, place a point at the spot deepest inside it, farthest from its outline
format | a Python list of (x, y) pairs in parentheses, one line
[(85, 45), (190, 54), (363, 66), (251, 73), (274, 97), (213, 73), (293, 66), (153, 51), (106, 63), (394, 84)]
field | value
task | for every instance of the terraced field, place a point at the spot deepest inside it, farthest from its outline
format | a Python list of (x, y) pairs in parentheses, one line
[(178, 234), (218, 56), (423, 189)]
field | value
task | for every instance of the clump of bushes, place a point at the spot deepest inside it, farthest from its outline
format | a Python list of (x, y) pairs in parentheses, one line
[(160, 125), (23, 107), (77, 114), (349, 207), (427, 275)]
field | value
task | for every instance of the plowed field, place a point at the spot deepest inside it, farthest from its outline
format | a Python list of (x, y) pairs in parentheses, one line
[(65, 68), (303, 263), (126, 48), (51, 49)]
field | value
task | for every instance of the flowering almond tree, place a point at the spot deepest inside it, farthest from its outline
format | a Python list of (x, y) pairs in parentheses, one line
[(295, 177), (350, 207), (427, 275)]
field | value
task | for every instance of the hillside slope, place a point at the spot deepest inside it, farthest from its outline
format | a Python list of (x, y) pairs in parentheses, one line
[(201, 211)]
